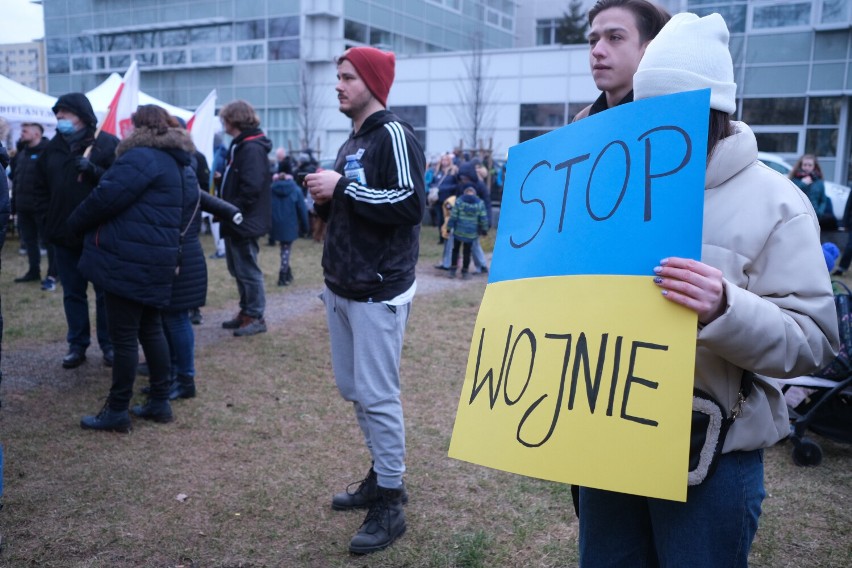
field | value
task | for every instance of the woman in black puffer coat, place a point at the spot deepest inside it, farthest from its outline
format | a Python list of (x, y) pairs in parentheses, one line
[(136, 222)]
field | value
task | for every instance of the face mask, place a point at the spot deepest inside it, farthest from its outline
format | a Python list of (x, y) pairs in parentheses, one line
[(64, 126)]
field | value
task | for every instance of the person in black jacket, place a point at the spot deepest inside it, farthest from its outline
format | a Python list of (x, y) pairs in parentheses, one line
[(135, 223), (245, 184), (5, 213), (371, 248), (30, 221), (66, 173)]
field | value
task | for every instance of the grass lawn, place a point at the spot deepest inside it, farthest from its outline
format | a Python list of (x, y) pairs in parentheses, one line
[(244, 476)]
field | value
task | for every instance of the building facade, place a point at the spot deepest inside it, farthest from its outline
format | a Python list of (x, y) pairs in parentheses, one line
[(25, 64), (793, 64)]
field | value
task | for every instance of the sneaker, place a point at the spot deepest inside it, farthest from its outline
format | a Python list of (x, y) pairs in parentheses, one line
[(465, 275), (234, 323), (154, 410), (48, 284), (384, 523), (195, 317), (251, 326), (29, 277), (108, 420), (216, 255)]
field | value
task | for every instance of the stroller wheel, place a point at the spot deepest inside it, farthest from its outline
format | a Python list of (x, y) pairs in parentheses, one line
[(807, 452)]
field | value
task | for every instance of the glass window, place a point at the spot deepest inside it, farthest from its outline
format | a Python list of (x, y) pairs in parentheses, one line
[(146, 40), (204, 35), (174, 38), (226, 53), (824, 110), (778, 142), (226, 33), (574, 108), (525, 135), (284, 27), (380, 37), (548, 114), (413, 115), (82, 44), (254, 29), (545, 32), (781, 15), (57, 46), (203, 55), (81, 63), (355, 31), (174, 57), (834, 11), (249, 52), (284, 49), (147, 58), (774, 111), (821, 141), (57, 64), (830, 46), (121, 61)]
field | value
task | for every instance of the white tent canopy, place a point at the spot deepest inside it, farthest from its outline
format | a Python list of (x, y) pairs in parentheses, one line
[(21, 104), (102, 95)]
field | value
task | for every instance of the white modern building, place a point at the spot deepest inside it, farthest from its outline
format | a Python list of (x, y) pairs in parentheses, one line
[(793, 62)]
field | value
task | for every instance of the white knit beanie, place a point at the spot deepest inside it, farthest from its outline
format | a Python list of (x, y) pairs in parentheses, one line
[(689, 53)]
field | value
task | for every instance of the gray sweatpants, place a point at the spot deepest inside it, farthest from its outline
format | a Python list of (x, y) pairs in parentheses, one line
[(366, 347)]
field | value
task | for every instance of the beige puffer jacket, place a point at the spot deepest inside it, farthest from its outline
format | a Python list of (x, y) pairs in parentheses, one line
[(760, 230)]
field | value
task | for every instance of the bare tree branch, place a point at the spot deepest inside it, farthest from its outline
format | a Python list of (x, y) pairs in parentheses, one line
[(475, 114)]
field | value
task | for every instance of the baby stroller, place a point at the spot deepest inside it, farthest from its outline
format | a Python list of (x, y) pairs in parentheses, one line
[(823, 403)]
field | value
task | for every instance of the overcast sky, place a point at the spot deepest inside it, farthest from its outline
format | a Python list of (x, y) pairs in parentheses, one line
[(22, 21)]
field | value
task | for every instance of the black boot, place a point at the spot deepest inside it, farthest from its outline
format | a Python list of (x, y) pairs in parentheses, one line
[(107, 419), (289, 277), (363, 496), (384, 523), (156, 410), (282, 278), (182, 387)]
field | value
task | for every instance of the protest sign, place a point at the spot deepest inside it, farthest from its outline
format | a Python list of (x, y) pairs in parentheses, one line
[(579, 370)]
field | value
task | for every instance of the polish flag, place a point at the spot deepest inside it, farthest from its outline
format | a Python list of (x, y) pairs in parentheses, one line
[(123, 105), (203, 125)]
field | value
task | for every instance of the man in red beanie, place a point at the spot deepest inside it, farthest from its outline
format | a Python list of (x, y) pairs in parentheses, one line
[(373, 200)]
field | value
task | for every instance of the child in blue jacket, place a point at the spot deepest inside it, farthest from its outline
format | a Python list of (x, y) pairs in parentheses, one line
[(467, 221)]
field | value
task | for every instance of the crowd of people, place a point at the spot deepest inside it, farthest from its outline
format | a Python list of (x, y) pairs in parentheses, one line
[(126, 216)]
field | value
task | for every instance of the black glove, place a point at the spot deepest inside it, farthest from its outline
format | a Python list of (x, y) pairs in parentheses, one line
[(85, 166)]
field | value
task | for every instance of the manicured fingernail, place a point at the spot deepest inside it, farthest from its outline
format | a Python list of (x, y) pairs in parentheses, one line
[(658, 280), (665, 292), (658, 269), (664, 261)]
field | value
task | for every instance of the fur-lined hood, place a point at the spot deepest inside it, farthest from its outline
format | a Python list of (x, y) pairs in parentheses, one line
[(172, 139)]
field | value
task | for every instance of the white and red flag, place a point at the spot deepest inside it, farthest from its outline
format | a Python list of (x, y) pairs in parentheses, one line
[(123, 105), (203, 125)]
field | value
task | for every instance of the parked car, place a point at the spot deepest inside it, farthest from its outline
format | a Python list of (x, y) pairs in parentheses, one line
[(839, 194)]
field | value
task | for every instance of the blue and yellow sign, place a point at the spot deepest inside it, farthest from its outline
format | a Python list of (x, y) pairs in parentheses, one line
[(579, 370)]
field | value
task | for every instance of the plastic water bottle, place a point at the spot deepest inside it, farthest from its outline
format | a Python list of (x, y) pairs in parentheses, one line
[(354, 170)]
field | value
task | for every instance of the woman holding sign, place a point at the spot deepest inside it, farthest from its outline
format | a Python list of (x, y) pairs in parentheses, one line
[(765, 309)]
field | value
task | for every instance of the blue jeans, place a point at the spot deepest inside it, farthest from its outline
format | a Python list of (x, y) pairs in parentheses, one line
[(181, 339), (76, 302), (714, 527), (241, 256), (132, 324)]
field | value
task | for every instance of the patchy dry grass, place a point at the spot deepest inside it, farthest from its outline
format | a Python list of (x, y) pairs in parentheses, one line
[(268, 440)]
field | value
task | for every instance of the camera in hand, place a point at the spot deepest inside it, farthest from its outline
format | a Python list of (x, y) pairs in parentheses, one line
[(300, 175)]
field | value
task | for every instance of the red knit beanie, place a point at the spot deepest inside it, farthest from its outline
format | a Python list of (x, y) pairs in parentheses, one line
[(375, 67)]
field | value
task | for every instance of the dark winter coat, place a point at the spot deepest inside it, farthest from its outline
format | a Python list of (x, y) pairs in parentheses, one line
[(23, 177), (5, 207), (289, 212), (59, 188), (133, 221), (373, 236), (246, 182)]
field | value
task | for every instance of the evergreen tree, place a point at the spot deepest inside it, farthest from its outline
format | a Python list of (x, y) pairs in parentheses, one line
[(572, 25)]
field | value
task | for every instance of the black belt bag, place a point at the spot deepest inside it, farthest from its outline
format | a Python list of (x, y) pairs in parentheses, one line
[(710, 425)]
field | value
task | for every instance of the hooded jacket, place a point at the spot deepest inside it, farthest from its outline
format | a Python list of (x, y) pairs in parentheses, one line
[(780, 319), (134, 218), (246, 182), (289, 212), (58, 187), (373, 236)]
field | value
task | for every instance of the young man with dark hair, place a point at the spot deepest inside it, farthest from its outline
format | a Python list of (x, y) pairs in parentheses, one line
[(619, 32), (373, 200)]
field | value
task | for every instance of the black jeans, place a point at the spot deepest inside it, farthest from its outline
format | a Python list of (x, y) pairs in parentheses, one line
[(131, 324), (465, 255)]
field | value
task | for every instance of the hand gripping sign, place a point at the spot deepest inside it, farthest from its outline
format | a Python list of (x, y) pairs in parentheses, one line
[(579, 370)]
